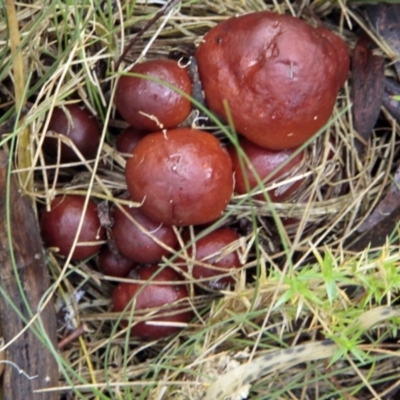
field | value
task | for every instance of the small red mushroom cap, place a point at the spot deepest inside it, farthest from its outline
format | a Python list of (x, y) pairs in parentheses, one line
[(137, 237), (128, 139), (159, 289), (78, 125), (60, 226), (276, 165), (214, 255), (111, 262), (146, 104)]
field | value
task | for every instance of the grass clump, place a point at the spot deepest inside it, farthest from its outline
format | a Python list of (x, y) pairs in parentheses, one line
[(300, 287)]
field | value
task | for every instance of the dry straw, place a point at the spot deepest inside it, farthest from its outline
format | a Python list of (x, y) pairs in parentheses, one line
[(288, 295)]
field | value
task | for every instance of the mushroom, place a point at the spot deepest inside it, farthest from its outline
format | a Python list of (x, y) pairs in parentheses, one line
[(149, 105), (134, 234), (181, 177), (158, 288), (268, 166), (111, 262), (278, 75), (128, 139), (213, 256), (77, 124), (60, 225)]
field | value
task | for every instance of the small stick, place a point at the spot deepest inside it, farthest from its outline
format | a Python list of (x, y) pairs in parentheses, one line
[(75, 334), (168, 6)]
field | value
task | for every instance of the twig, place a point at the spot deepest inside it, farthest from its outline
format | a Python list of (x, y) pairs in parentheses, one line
[(168, 6), (79, 331)]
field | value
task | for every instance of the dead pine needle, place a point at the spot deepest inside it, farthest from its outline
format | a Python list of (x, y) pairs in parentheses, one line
[(19, 80)]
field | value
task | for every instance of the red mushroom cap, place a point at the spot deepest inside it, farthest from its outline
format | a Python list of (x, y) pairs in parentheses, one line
[(128, 139), (134, 235), (77, 124), (112, 263), (265, 163), (279, 76), (157, 292), (182, 177), (213, 259), (60, 225), (135, 96)]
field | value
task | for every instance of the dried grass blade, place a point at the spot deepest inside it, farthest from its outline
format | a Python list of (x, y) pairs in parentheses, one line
[(23, 152)]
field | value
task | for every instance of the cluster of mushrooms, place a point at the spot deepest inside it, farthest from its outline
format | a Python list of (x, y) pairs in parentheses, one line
[(275, 77)]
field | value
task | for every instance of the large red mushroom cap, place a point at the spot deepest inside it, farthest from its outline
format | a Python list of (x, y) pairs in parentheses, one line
[(279, 76), (342, 54), (182, 177)]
